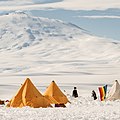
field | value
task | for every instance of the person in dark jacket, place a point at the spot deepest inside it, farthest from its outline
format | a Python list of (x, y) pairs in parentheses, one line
[(94, 95), (75, 94)]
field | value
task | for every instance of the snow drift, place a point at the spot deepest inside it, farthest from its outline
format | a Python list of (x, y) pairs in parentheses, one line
[(39, 46), (80, 109)]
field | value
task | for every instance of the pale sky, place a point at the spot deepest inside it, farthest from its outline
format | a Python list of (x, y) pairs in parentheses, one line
[(61, 4)]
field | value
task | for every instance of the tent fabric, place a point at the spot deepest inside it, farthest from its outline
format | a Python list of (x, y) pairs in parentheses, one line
[(114, 92), (28, 95), (55, 95)]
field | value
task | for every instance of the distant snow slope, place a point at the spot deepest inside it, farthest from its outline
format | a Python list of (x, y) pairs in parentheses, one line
[(40, 46)]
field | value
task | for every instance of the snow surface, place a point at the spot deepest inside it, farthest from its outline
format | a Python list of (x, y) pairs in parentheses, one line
[(40, 46), (47, 49), (81, 108)]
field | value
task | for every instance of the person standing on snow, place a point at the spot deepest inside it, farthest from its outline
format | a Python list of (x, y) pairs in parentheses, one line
[(75, 94), (94, 95)]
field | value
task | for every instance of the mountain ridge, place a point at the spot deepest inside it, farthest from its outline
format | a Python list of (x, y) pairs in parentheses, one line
[(30, 44)]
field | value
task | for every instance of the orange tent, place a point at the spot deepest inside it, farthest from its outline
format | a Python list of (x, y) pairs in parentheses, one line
[(55, 95), (28, 95)]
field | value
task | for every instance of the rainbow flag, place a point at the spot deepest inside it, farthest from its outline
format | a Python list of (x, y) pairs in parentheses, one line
[(103, 91)]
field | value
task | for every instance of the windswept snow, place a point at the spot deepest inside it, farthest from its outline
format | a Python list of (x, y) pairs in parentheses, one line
[(40, 46), (80, 109)]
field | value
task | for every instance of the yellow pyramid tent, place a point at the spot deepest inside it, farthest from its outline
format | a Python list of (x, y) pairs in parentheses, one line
[(28, 95), (55, 95)]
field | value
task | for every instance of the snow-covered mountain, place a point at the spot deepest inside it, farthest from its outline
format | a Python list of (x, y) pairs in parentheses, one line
[(24, 30), (40, 46)]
